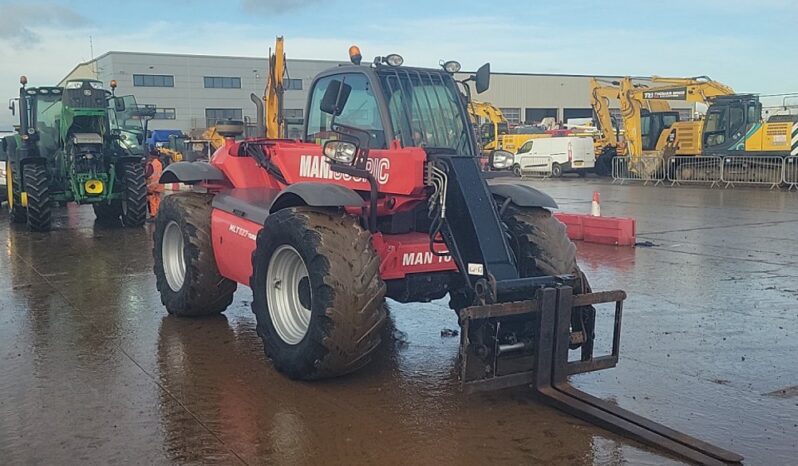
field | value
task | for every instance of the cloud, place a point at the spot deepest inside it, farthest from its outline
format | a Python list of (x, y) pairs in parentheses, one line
[(275, 7), (18, 19)]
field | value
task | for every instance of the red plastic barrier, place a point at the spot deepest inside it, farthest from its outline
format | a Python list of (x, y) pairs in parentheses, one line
[(616, 231), (573, 224)]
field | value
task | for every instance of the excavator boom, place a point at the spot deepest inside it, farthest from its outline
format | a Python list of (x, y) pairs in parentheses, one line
[(273, 94)]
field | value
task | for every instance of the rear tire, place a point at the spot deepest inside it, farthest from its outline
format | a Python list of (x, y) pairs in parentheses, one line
[(134, 207), (556, 170), (339, 300), (200, 289), (37, 187)]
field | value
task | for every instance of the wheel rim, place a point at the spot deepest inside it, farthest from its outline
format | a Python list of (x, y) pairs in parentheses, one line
[(174, 262), (288, 294)]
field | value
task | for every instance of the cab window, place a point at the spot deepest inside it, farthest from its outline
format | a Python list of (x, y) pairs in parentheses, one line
[(736, 119), (360, 111), (527, 147)]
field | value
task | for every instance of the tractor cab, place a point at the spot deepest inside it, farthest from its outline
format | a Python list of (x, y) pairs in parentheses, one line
[(39, 116), (128, 121), (729, 119)]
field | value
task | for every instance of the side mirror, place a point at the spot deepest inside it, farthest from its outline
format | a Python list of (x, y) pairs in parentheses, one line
[(501, 159), (335, 97), (13, 107), (482, 78), (119, 104)]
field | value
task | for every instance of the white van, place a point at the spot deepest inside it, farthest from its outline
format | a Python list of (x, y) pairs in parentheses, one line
[(555, 156)]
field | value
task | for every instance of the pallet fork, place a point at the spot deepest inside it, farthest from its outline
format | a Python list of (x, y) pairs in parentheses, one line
[(544, 365)]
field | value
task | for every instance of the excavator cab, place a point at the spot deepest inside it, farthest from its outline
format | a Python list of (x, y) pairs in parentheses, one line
[(653, 124), (729, 119)]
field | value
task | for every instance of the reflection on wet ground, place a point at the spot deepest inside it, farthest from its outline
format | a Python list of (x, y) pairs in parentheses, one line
[(93, 370)]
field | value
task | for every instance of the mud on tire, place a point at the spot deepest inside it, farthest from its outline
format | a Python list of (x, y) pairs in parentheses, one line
[(204, 291), (347, 295), (37, 188)]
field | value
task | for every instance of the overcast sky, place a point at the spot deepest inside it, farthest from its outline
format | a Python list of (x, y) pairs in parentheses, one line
[(749, 45)]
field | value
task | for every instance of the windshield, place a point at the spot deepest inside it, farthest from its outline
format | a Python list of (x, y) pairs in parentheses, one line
[(129, 124), (426, 110)]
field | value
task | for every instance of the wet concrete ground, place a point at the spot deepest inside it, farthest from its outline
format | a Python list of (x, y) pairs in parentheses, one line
[(93, 371)]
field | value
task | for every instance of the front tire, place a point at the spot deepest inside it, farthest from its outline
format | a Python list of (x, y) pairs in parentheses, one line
[(542, 247), (37, 189), (134, 207), (317, 294), (185, 266), (517, 170)]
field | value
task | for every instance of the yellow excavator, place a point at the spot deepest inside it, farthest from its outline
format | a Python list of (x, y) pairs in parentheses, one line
[(651, 127), (490, 122), (494, 129), (270, 109)]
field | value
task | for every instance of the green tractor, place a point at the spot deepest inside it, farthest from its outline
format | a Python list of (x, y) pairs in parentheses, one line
[(76, 143)]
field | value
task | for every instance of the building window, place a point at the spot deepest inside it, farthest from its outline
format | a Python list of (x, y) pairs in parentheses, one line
[(212, 115), (153, 80), (293, 84), (512, 115), (221, 82), (164, 114)]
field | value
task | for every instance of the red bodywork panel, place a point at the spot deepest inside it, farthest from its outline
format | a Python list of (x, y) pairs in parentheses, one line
[(399, 173)]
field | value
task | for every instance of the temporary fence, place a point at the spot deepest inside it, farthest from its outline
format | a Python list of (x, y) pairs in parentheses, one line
[(790, 172), (727, 170), (689, 169), (752, 170), (534, 166), (645, 169)]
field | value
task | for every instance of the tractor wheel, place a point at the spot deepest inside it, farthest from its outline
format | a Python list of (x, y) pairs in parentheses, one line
[(108, 213), (185, 267), (134, 207), (37, 189), (542, 247), (17, 211), (317, 293)]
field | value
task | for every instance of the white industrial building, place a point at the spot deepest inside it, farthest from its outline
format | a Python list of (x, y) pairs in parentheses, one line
[(191, 92)]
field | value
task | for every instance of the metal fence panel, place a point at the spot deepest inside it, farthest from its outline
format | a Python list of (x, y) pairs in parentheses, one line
[(752, 170), (694, 169), (790, 172), (645, 169), (535, 166)]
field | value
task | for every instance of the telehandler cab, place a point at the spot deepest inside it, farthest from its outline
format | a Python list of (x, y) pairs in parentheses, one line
[(384, 198)]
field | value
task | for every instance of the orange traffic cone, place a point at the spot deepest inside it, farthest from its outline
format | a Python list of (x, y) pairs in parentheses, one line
[(595, 206)]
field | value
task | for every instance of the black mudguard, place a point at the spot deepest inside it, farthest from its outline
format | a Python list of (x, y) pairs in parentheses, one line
[(316, 195), (191, 173), (521, 195)]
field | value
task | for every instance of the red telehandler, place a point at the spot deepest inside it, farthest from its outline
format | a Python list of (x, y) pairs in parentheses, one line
[(383, 198)]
